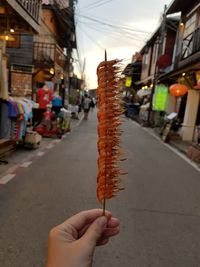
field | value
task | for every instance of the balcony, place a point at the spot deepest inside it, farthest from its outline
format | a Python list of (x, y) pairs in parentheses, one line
[(32, 7), (191, 44), (46, 55), (23, 12)]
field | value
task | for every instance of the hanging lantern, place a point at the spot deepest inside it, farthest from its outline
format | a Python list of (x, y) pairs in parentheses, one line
[(178, 89)]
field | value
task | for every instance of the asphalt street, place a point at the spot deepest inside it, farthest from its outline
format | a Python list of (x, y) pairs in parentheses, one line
[(159, 209)]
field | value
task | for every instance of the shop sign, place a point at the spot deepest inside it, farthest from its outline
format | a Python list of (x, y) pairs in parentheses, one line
[(21, 84), (128, 82), (160, 98)]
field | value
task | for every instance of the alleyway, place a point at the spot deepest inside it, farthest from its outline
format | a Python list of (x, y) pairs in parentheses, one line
[(159, 209)]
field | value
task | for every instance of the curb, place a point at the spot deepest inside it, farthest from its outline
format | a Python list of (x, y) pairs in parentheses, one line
[(177, 151)]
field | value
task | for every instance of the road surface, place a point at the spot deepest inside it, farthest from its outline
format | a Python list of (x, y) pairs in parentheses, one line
[(159, 209)]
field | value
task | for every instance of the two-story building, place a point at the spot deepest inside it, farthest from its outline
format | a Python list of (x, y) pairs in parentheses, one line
[(157, 56), (18, 21), (45, 53), (185, 66), (52, 47), (16, 17), (37, 39), (172, 56)]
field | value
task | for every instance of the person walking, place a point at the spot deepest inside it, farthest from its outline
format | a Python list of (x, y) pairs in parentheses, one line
[(86, 106)]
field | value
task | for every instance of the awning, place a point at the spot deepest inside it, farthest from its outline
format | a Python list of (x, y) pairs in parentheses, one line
[(180, 5), (142, 93)]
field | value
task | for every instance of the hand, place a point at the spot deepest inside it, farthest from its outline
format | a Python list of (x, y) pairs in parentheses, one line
[(72, 243)]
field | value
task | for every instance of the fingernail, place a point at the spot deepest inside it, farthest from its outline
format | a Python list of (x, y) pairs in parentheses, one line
[(102, 221)]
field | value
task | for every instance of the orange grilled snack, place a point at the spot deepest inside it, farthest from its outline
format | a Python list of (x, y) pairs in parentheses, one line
[(110, 108)]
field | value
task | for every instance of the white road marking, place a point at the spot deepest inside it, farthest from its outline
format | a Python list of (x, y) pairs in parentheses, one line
[(50, 146), (5, 179), (13, 169), (26, 164), (181, 155), (57, 141), (40, 154)]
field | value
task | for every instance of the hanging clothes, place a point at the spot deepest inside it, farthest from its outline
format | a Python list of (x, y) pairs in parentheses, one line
[(14, 114)]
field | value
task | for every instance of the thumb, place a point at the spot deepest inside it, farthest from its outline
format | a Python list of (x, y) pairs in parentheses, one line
[(94, 232)]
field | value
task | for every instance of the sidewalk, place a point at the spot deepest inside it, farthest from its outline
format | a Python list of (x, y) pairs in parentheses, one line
[(23, 156), (185, 147), (182, 146)]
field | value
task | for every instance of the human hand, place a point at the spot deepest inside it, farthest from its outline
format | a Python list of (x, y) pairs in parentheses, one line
[(72, 243)]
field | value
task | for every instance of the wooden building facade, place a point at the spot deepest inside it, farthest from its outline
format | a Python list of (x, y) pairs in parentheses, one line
[(41, 50)]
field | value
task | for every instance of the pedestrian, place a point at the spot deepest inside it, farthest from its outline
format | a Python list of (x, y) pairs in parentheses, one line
[(92, 103), (86, 106), (73, 243)]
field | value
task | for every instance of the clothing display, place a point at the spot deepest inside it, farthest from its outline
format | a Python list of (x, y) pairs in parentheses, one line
[(14, 115)]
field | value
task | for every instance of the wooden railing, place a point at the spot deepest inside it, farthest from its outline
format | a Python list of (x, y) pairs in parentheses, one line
[(191, 44), (47, 54), (32, 7)]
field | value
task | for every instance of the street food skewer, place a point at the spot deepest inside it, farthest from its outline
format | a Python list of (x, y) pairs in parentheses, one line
[(110, 109)]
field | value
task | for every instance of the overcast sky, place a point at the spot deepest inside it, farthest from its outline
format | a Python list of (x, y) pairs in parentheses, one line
[(93, 35)]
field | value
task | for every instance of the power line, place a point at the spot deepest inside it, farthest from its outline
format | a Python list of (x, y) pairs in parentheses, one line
[(100, 4), (92, 4), (120, 31), (113, 34), (91, 39), (113, 26)]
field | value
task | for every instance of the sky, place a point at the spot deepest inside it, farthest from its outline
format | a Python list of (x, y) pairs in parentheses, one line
[(120, 27)]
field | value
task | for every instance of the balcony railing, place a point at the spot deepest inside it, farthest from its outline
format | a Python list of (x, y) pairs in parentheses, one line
[(32, 7), (47, 54), (191, 44)]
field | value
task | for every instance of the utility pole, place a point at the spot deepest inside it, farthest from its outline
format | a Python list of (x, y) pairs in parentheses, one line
[(160, 52)]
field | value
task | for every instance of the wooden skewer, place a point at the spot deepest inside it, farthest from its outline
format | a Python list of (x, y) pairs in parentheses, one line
[(104, 199)]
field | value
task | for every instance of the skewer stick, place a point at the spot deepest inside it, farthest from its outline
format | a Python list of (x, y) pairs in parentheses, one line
[(104, 199)]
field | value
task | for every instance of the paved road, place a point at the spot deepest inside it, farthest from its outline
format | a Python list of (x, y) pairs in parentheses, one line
[(159, 210)]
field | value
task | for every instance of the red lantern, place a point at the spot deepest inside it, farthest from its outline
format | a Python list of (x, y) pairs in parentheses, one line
[(178, 89)]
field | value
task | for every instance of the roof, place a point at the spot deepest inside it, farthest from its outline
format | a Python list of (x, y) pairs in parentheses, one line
[(180, 5), (133, 69), (156, 33)]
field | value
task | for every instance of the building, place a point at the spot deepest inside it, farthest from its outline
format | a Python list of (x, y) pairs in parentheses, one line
[(52, 51), (171, 56), (16, 17), (43, 53), (36, 43), (185, 68), (154, 59), (19, 20)]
